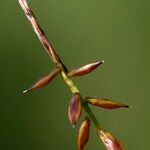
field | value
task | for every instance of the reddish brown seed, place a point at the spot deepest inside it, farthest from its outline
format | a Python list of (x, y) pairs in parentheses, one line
[(105, 103), (84, 69), (44, 80), (74, 109), (110, 142), (83, 134)]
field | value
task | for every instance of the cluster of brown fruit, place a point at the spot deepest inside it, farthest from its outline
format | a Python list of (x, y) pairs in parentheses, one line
[(74, 112), (77, 102)]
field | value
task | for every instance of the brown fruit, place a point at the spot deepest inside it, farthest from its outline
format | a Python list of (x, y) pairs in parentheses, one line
[(74, 109), (105, 103), (44, 80), (84, 69), (83, 134), (110, 142)]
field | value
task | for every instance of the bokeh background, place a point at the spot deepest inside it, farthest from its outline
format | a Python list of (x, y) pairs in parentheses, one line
[(82, 31)]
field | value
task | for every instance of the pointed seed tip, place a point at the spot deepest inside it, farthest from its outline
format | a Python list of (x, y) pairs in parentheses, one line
[(73, 126), (126, 106), (25, 91), (96, 63), (130, 107), (103, 61)]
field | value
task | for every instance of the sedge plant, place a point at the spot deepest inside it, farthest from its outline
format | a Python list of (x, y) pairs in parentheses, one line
[(77, 103)]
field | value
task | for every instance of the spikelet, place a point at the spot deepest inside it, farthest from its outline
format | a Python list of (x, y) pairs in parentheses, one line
[(44, 80), (83, 134), (106, 103), (84, 69), (74, 109), (110, 142)]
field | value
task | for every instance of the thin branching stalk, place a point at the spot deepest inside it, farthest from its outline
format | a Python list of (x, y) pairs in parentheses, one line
[(39, 32), (77, 102), (54, 56)]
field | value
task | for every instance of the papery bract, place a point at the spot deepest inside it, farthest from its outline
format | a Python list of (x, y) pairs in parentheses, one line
[(44, 80), (105, 103), (84, 69), (74, 109), (83, 134), (110, 142)]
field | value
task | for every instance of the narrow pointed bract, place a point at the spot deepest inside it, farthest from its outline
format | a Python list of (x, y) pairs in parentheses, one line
[(74, 109), (105, 103), (44, 80), (110, 142), (83, 134), (84, 69)]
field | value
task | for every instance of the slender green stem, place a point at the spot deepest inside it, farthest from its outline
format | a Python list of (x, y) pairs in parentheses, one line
[(74, 89), (70, 83), (91, 116)]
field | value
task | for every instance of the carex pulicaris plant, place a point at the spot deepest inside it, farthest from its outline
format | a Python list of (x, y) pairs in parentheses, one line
[(77, 103)]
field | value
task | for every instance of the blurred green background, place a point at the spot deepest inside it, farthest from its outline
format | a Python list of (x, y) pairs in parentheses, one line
[(82, 31)]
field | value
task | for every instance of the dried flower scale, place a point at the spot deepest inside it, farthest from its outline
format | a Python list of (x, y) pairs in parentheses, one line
[(105, 103), (77, 102), (44, 80), (83, 134), (75, 109), (84, 69), (110, 142)]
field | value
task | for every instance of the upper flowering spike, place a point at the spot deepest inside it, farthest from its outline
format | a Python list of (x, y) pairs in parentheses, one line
[(84, 69), (74, 109), (83, 134), (44, 80), (110, 142), (105, 103)]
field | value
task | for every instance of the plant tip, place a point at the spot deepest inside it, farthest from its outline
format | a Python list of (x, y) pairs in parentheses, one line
[(130, 107), (73, 126), (127, 106), (103, 61), (25, 91)]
